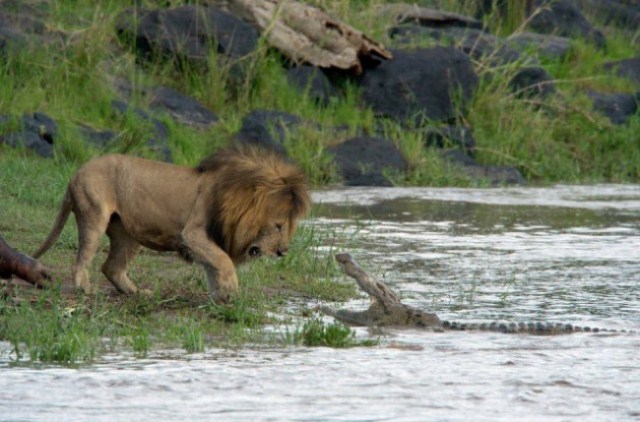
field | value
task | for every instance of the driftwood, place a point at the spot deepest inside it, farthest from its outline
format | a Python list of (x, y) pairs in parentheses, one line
[(386, 310), (22, 266), (306, 34)]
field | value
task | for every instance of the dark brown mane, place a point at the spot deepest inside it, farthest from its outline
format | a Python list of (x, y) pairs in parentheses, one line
[(253, 185)]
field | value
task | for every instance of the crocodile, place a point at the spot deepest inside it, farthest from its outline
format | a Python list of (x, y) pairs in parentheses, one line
[(386, 310)]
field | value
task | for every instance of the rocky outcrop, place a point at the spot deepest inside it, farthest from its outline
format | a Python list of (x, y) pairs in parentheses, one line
[(363, 160), (478, 44), (267, 129), (182, 108), (531, 82), (623, 13), (544, 45), (628, 68), (494, 175), (617, 107), (423, 84), (23, 24), (36, 132), (312, 81), (185, 33), (561, 17)]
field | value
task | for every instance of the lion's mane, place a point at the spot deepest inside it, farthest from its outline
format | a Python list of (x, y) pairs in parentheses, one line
[(252, 185)]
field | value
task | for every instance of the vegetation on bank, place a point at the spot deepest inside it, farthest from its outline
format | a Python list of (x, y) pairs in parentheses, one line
[(559, 140), (562, 140)]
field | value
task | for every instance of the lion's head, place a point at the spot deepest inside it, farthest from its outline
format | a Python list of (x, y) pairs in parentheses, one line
[(258, 196)]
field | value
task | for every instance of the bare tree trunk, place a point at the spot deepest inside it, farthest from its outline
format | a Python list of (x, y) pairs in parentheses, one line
[(306, 34), (22, 266)]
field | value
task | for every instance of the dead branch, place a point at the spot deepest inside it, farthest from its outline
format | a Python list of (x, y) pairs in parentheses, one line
[(22, 266), (306, 34)]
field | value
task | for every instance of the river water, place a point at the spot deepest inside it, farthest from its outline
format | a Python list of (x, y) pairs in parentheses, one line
[(561, 254)]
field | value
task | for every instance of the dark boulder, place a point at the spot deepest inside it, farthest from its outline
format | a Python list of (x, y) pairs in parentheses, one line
[(494, 175), (181, 108), (617, 107), (311, 80), (362, 160), (530, 82), (36, 132), (561, 17), (478, 44), (623, 13), (544, 45), (433, 18), (157, 133), (428, 83), (267, 129), (448, 136), (186, 33), (98, 138), (24, 23), (628, 68)]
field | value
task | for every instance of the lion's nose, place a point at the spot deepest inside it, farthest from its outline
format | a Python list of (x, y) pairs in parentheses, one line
[(281, 252)]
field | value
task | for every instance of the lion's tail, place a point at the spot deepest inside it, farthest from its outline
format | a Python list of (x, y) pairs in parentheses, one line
[(61, 220)]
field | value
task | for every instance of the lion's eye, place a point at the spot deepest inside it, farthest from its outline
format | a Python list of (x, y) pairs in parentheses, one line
[(254, 251)]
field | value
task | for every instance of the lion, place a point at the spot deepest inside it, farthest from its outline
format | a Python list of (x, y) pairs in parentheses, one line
[(236, 205)]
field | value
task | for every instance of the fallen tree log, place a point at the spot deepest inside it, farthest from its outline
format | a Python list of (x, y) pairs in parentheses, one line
[(306, 34), (14, 263)]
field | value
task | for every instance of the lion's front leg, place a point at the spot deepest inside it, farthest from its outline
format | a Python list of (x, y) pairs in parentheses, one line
[(220, 271)]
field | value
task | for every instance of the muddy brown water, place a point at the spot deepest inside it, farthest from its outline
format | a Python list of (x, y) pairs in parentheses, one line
[(561, 254)]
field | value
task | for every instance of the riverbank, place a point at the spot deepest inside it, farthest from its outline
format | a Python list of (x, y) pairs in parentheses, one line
[(557, 109)]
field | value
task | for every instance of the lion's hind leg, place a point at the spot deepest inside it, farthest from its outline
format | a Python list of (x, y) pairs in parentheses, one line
[(91, 227), (122, 250)]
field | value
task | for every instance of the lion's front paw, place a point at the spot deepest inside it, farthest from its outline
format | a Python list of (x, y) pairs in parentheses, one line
[(225, 288)]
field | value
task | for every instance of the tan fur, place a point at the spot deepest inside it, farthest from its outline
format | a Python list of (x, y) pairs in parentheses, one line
[(236, 205)]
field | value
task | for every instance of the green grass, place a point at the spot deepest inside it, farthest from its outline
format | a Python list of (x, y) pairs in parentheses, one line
[(556, 140), (58, 325), (562, 140)]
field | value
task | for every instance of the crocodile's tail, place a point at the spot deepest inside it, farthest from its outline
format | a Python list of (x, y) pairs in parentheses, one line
[(536, 328)]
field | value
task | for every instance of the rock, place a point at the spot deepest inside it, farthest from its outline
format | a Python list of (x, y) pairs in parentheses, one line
[(550, 46), (267, 129), (312, 80), (494, 175), (98, 138), (361, 160), (628, 68), (181, 108), (421, 84), (623, 13), (480, 45), (530, 82), (29, 140), (186, 33), (617, 107), (412, 13), (561, 17), (37, 133), (158, 132), (24, 23), (446, 136)]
